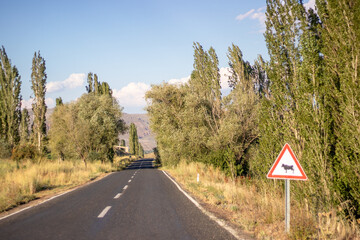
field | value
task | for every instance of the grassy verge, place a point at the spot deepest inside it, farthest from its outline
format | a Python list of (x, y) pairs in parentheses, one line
[(26, 181), (258, 208)]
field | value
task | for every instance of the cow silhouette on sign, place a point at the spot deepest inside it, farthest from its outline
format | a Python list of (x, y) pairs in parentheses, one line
[(288, 167)]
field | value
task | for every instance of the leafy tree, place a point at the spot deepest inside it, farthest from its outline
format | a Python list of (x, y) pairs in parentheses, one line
[(24, 126), (133, 140), (340, 34), (166, 113), (90, 80), (97, 87), (141, 151), (59, 101), (10, 100), (38, 81), (122, 143), (88, 126)]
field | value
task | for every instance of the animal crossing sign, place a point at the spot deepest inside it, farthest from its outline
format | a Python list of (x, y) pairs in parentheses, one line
[(287, 166)]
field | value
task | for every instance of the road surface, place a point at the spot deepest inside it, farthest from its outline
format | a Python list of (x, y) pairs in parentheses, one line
[(137, 203)]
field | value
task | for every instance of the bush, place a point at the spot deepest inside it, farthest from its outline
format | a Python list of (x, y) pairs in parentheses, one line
[(27, 151), (5, 149)]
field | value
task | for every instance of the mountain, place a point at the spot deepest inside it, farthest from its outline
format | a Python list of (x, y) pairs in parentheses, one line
[(141, 121)]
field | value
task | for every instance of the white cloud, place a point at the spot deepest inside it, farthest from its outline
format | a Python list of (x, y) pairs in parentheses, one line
[(310, 4), (224, 77), (73, 81), (26, 103), (245, 15), (180, 81), (50, 103), (132, 95), (255, 14)]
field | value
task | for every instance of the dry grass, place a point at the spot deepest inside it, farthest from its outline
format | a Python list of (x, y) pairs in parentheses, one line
[(258, 208), (24, 182), (123, 161)]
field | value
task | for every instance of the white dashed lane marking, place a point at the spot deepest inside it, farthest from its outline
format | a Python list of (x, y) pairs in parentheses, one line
[(117, 196), (129, 181), (103, 213), (126, 186)]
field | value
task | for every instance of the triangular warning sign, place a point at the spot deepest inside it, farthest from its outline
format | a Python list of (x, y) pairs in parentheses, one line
[(287, 166)]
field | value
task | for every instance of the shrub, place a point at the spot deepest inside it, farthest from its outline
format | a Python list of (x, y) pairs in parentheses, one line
[(5, 149), (26, 151)]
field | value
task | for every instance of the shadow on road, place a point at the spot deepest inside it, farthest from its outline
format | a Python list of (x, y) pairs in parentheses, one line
[(145, 163)]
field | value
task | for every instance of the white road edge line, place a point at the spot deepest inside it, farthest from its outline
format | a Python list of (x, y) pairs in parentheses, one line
[(103, 213), (53, 197), (126, 186), (221, 222), (117, 196)]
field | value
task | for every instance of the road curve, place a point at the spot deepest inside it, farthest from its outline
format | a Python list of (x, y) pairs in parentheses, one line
[(137, 203)]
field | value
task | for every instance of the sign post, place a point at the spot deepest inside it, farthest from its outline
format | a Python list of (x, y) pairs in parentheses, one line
[(287, 167), (287, 205)]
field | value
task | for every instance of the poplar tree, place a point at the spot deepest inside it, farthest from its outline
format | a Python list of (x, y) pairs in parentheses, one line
[(24, 126), (341, 49), (96, 85), (141, 151), (38, 80), (133, 140), (59, 101), (90, 80), (10, 100)]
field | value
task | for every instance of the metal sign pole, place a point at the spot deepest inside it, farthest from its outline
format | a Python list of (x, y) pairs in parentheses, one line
[(287, 205)]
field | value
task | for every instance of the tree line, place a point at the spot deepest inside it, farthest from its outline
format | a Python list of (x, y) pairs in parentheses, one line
[(85, 129), (307, 94), (14, 123)]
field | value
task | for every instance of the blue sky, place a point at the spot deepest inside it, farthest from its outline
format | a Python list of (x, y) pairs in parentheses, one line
[(129, 44)]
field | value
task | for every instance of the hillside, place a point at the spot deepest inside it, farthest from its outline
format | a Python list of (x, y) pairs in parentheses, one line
[(141, 121)]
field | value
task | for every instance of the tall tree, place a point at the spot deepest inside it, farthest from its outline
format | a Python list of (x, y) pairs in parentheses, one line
[(24, 126), (141, 151), (38, 80), (105, 89), (96, 85), (10, 100), (133, 140), (341, 49), (59, 101), (90, 80)]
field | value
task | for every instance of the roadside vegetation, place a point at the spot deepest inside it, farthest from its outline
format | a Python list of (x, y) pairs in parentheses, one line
[(307, 94), (255, 208), (26, 181), (40, 156)]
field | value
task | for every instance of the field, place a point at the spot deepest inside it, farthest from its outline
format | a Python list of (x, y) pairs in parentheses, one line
[(26, 181)]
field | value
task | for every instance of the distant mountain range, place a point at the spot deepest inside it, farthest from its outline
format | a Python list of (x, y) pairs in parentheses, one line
[(141, 121)]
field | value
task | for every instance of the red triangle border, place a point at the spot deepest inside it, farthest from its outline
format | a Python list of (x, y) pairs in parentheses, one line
[(270, 174)]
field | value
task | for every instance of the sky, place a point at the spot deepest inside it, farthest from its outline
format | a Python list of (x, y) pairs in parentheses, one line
[(129, 44)]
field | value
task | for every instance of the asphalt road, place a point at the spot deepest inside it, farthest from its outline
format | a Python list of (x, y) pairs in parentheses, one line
[(137, 203)]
